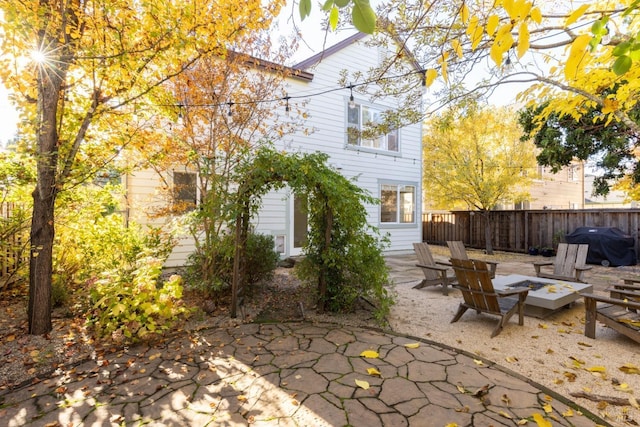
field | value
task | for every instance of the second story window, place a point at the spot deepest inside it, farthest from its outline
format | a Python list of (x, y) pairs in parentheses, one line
[(359, 119)]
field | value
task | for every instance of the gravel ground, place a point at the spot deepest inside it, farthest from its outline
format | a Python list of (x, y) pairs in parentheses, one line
[(553, 351)]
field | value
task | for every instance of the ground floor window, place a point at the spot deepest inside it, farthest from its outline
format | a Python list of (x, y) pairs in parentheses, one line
[(398, 204), (185, 190)]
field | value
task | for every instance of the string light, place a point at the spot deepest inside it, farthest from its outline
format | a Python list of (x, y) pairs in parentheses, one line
[(352, 102), (287, 97)]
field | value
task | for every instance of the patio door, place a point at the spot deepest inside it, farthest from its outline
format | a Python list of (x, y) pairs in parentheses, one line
[(299, 224)]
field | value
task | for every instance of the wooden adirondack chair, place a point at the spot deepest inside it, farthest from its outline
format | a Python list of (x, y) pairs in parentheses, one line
[(479, 295), (619, 311), (458, 251), (434, 273), (569, 264)]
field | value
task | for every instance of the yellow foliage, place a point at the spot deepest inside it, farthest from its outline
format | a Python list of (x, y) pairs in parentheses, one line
[(573, 17), (523, 40)]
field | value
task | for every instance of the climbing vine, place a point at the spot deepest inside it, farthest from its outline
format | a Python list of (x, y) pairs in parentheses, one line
[(343, 253)]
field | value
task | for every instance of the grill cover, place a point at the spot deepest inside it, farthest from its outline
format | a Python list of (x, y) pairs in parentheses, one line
[(607, 245)]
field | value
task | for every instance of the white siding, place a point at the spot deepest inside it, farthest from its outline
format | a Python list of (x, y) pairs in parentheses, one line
[(327, 115)]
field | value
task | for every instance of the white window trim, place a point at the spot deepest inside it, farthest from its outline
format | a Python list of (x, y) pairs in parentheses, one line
[(398, 185), (359, 146)]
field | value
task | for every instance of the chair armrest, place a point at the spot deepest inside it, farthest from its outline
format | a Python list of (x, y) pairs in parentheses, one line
[(628, 304), (627, 287), (432, 267), (538, 264), (624, 293)]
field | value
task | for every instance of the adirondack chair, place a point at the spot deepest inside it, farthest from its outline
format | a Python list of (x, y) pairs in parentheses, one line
[(434, 272), (478, 294), (458, 251), (620, 310), (569, 264)]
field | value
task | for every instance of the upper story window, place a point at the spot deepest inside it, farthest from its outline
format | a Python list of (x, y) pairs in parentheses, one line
[(359, 117)]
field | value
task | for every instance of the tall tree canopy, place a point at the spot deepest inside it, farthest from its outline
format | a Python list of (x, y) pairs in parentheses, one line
[(83, 75), (475, 158)]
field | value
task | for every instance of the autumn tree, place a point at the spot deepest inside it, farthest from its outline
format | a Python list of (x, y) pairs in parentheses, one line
[(224, 108), (562, 138), (82, 74), (474, 158)]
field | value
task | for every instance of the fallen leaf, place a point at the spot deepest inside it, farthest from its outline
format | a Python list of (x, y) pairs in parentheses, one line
[(370, 354), (511, 359), (597, 369), (506, 399), (542, 326), (567, 413), (242, 398), (539, 419), (412, 345), (504, 414), (478, 362), (584, 344), (10, 338), (155, 356), (628, 368), (547, 408), (523, 422), (362, 384), (571, 377), (373, 371), (461, 389), (451, 425), (633, 402)]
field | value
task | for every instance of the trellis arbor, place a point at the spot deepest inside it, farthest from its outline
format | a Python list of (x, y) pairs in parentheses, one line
[(343, 253)]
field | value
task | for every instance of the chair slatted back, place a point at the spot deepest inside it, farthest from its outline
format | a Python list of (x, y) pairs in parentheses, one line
[(475, 284), (568, 257), (425, 257), (456, 247)]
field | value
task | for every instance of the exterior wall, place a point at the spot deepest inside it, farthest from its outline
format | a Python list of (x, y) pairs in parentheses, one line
[(371, 168), (564, 190), (144, 196), (327, 117)]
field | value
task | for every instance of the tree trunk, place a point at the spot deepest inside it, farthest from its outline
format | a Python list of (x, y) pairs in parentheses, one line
[(50, 86), (487, 233)]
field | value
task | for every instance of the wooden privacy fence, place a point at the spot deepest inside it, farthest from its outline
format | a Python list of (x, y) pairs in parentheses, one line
[(12, 243), (518, 230)]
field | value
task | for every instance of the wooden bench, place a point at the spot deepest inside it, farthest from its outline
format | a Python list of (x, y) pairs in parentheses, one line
[(619, 311)]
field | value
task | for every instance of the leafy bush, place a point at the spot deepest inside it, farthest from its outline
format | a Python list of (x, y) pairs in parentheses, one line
[(135, 307), (211, 269)]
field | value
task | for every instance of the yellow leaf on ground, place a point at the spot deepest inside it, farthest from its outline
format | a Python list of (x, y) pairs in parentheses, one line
[(633, 402), (539, 419), (542, 325), (461, 389), (628, 368), (597, 369), (412, 345), (362, 384), (373, 371), (511, 359), (451, 425), (242, 398), (370, 354), (567, 413), (504, 414), (478, 362), (547, 408)]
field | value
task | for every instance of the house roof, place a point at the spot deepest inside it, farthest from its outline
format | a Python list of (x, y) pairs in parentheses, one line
[(309, 62)]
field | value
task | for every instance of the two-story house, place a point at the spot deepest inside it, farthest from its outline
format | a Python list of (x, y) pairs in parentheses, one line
[(388, 165)]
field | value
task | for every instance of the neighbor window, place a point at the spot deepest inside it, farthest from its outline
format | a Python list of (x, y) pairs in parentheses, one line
[(359, 117), (398, 204), (185, 190)]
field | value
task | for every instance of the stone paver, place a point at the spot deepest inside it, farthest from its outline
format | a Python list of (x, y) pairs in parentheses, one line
[(291, 374)]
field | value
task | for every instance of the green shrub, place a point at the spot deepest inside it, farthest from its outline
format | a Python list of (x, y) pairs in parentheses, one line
[(211, 269), (135, 307)]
